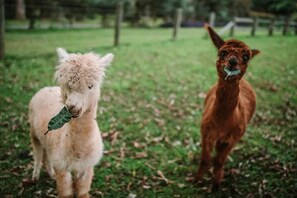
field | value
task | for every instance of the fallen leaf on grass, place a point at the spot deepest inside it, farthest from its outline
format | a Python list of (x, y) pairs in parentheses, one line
[(128, 188), (160, 173), (140, 155), (4, 176), (21, 192), (146, 187), (28, 182), (160, 122), (131, 195), (189, 179), (122, 153), (114, 137), (181, 185), (202, 95), (234, 171), (158, 139), (150, 166), (138, 145)]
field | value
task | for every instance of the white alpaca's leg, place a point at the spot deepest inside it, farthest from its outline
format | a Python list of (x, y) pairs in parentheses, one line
[(38, 156), (48, 166), (82, 183), (64, 183)]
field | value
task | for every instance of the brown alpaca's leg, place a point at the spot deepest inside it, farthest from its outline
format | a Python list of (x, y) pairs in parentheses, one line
[(223, 149), (82, 183), (64, 183), (205, 161)]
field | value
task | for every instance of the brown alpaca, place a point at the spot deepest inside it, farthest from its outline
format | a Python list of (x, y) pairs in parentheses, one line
[(228, 107)]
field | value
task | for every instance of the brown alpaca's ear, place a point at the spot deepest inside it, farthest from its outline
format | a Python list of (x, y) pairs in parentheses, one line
[(216, 39), (255, 52)]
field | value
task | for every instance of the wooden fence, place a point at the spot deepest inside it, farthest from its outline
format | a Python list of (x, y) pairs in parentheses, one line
[(256, 21)]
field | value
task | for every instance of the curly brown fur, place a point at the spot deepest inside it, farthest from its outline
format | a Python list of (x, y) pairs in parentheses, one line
[(228, 107)]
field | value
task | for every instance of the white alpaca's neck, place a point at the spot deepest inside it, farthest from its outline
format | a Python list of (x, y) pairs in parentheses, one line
[(85, 122)]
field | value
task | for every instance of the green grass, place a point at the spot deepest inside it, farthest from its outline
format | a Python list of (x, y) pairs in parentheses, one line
[(151, 99)]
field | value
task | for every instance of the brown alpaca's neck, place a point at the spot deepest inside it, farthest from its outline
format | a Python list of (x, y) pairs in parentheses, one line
[(226, 98)]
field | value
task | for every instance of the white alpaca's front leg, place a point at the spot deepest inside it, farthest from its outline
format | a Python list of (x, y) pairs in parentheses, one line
[(64, 183), (82, 182)]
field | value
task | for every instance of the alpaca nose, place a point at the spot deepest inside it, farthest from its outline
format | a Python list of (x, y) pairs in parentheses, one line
[(232, 62), (74, 110), (70, 107)]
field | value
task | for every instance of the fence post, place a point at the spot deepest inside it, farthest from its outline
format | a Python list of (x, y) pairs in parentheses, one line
[(2, 29), (177, 22), (212, 19), (295, 27), (232, 29), (254, 26), (286, 26), (271, 27), (119, 15)]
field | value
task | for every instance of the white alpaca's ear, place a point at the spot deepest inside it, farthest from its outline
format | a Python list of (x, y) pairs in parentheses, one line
[(106, 60), (62, 54)]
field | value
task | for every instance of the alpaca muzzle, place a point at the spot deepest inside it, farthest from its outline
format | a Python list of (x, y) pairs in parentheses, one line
[(231, 72)]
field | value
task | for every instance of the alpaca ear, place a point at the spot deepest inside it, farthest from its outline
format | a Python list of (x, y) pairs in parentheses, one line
[(62, 54), (216, 39), (106, 60), (255, 52)]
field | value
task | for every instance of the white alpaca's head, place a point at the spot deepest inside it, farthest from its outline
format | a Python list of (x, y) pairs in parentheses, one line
[(80, 77)]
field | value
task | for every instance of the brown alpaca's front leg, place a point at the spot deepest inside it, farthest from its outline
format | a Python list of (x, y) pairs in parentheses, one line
[(64, 183), (223, 149), (205, 161), (82, 183)]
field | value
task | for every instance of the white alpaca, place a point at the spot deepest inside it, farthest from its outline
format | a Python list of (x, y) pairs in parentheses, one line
[(76, 147)]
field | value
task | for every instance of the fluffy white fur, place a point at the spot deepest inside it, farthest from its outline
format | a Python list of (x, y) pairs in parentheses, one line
[(76, 147)]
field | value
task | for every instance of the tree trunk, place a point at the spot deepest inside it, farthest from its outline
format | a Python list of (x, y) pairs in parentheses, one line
[(104, 22), (286, 25), (20, 13), (2, 29), (31, 14)]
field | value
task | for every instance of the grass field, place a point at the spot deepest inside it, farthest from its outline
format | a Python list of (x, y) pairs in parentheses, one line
[(150, 112)]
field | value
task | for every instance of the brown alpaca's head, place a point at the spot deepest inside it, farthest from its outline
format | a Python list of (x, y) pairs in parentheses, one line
[(233, 56)]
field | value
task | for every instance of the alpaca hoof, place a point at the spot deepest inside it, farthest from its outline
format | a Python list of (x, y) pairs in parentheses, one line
[(35, 177), (85, 196)]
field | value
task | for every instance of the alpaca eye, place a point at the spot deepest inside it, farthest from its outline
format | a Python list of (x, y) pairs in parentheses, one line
[(223, 54), (90, 86), (245, 58)]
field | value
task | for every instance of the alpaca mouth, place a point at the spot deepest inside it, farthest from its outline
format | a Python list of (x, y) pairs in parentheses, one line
[(75, 116), (231, 72)]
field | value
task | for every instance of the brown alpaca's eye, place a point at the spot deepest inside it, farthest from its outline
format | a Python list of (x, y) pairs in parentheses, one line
[(90, 86), (222, 54), (245, 58)]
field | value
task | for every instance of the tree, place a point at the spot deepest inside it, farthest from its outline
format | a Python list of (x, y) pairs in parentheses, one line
[(20, 10), (277, 7)]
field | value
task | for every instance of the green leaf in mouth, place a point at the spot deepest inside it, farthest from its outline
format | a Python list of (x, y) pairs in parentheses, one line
[(59, 120), (231, 73)]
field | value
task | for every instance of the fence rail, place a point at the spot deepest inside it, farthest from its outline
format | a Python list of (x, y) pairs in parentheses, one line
[(255, 23)]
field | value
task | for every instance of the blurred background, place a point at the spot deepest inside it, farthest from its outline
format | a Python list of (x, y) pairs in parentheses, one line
[(30, 14)]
